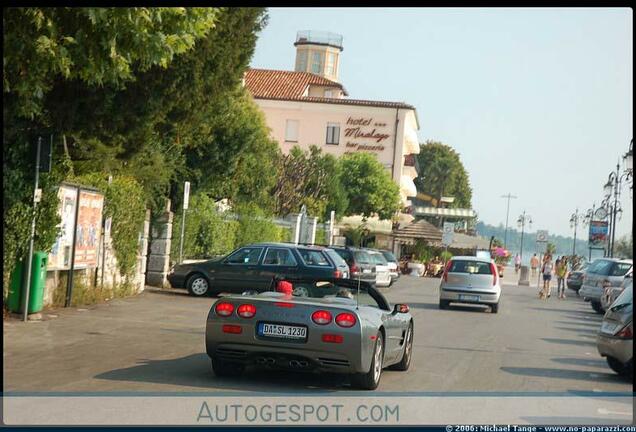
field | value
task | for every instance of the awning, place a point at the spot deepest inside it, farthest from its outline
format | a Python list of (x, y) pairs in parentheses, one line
[(411, 141), (466, 242), (409, 171), (407, 186), (448, 212), (420, 229), (374, 224)]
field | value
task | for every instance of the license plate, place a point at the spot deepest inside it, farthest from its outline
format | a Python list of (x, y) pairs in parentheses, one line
[(366, 271), (609, 327), (282, 331), (469, 297)]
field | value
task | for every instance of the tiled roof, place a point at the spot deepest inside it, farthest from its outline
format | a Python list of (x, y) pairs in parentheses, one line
[(290, 86), (278, 84), (420, 229)]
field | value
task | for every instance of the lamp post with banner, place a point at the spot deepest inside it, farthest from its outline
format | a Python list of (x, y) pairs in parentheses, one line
[(576, 219), (542, 237)]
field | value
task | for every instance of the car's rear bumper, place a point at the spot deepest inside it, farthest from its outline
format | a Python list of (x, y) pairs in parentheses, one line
[(453, 295), (592, 293), (394, 275), (295, 358), (610, 346)]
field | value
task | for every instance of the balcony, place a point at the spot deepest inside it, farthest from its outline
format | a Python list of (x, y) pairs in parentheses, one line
[(410, 160), (319, 38)]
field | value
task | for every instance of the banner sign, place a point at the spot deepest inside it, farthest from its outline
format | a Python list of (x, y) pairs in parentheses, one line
[(60, 255), (598, 234), (89, 225)]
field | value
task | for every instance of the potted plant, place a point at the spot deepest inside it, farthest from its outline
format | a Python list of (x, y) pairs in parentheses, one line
[(501, 257)]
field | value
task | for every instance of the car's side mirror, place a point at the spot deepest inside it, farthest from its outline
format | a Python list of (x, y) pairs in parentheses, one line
[(401, 308)]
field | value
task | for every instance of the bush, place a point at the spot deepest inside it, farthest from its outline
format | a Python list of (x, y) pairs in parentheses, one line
[(207, 233), (254, 227)]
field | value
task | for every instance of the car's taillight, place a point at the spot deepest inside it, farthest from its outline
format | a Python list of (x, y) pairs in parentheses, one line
[(246, 311), (493, 270), (224, 309), (337, 274), (448, 264), (626, 333), (354, 268), (332, 338), (321, 317), (233, 329), (346, 319)]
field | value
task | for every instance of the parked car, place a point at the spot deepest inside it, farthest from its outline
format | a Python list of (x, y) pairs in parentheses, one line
[(338, 325), (468, 279), (361, 266), (382, 275), (616, 337), (255, 266), (393, 265), (611, 270), (575, 278), (611, 293)]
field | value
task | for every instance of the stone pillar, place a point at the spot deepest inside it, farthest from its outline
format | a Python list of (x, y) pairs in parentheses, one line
[(142, 256), (523, 276), (159, 257)]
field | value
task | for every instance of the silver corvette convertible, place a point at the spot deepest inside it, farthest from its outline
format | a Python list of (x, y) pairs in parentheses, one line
[(334, 325)]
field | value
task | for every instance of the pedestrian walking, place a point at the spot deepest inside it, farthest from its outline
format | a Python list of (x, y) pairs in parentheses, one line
[(534, 264), (517, 263), (546, 270), (561, 270)]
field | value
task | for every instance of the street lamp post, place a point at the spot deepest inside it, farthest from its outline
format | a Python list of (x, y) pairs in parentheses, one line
[(521, 222), (575, 219), (509, 197), (587, 220), (613, 186)]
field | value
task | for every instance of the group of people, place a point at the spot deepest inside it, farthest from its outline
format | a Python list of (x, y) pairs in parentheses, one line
[(548, 268)]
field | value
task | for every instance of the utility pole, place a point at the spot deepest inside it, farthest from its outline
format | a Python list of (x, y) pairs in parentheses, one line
[(574, 223), (509, 197)]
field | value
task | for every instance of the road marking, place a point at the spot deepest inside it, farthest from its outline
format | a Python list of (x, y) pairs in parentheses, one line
[(609, 412)]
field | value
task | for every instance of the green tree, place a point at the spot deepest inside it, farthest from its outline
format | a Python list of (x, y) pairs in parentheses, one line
[(443, 174), (624, 247), (98, 46), (369, 186), (309, 178)]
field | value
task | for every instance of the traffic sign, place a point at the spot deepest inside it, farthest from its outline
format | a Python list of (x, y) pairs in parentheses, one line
[(542, 236), (186, 195), (447, 233)]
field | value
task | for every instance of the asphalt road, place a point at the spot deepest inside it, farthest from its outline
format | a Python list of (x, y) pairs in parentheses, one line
[(154, 342)]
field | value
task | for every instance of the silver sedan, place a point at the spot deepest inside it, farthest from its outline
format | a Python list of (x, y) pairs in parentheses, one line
[(468, 279)]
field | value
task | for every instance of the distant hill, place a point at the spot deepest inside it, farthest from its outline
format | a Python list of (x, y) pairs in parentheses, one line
[(513, 243)]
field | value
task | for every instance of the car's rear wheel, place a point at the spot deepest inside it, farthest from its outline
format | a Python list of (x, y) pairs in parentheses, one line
[(198, 285), (404, 364), (443, 304), (598, 307), (617, 366), (494, 308), (371, 379), (223, 368)]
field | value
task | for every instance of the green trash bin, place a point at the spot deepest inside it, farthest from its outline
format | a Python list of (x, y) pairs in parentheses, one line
[(14, 299), (38, 282)]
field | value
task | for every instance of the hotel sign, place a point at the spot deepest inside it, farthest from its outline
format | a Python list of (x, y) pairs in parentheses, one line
[(367, 129)]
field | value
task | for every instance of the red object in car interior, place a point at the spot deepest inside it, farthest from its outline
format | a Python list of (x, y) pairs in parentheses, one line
[(224, 309), (285, 287)]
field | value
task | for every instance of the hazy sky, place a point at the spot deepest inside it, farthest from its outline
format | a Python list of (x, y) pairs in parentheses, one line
[(538, 102)]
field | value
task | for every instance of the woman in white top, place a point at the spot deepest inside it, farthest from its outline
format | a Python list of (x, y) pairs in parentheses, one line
[(546, 270)]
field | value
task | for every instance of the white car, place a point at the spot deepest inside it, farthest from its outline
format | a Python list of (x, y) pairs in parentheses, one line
[(382, 274)]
